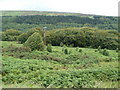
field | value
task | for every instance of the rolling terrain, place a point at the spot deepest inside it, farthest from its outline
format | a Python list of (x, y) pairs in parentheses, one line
[(42, 49), (24, 20), (86, 69)]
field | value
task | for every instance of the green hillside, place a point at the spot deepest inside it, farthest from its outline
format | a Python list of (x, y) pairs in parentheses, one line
[(24, 20), (42, 69), (25, 13), (59, 50)]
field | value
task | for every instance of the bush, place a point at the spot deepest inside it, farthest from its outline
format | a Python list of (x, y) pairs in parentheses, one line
[(83, 38), (66, 51), (5, 37), (13, 32), (117, 50), (22, 38), (80, 50), (10, 35), (49, 48), (96, 50), (35, 42), (105, 52)]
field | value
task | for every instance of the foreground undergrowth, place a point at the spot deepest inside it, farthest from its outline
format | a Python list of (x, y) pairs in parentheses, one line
[(56, 69)]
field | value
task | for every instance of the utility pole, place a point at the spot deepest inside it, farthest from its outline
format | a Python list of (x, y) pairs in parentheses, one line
[(44, 35)]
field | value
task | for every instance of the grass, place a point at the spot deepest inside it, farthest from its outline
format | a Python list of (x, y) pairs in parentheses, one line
[(108, 84), (24, 13), (8, 43), (87, 65)]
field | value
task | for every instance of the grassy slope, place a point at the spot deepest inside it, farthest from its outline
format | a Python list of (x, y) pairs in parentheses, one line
[(24, 13), (53, 66)]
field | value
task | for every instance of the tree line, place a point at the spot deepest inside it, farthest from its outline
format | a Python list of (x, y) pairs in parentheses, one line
[(72, 37), (55, 22)]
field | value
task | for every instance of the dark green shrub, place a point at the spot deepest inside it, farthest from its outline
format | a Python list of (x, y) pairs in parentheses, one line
[(35, 42), (80, 50), (105, 52), (22, 38), (108, 59), (66, 51), (96, 50), (84, 38), (10, 35), (117, 49), (6, 37), (49, 48)]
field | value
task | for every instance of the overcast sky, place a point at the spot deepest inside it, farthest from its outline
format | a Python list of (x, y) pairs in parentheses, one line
[(98, 7)]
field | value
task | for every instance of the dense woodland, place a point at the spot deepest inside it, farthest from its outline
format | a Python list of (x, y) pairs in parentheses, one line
[(54, 22), (74, 37)]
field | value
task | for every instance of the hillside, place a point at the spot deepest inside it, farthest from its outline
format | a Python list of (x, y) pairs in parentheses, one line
[(23, 20), (59, 50), (81, 68), (48, 13)]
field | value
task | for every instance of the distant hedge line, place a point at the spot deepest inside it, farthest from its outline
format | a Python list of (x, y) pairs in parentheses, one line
[(75, 37), (84, 37)]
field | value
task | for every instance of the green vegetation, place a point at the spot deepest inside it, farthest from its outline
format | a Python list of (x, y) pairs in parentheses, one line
[(79, 51), (49, 48), (26, 20), (57, 69), (35, 42), (84, 37), (66, 51), (10, 35), (72, 37), (24, 36), (26, 13)]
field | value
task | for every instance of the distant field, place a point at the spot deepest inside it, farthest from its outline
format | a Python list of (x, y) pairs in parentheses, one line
[(25, 13), (42, 69)]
